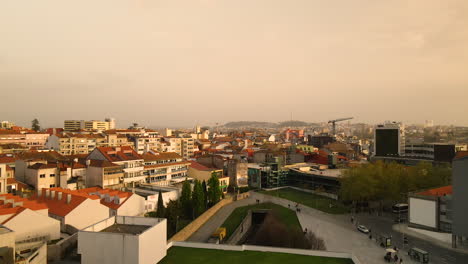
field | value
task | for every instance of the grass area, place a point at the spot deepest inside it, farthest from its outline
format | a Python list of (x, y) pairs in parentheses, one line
[(287, 216), (177, 255), (311, 200)]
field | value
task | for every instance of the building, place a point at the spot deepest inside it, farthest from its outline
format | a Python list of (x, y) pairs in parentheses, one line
[(6, 125), (130, 161), (105, 174), (29, 220), (460, 198), (122, 240), (389, 140), (436, 152), (118, 202), (12, 137), (164, 168), (9, 254), (181, 145), (144, 144), (151, 194), (72, 125), (319, 141), (314, 176), (75, 210), (203, 173), (431, 209)]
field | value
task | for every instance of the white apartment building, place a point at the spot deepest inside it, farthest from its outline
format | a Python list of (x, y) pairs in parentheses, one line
[(164, 168)]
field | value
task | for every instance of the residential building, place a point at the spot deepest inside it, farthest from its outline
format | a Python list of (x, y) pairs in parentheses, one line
[(122, 240), (127, 158), (72, 125), (164, 168), (203, 173), (6, 125), (75, 210), (151, 194), (105, 174), (12, 137), (72, 144), (319, 140), (438, 152), (431, 209), (146, 143), (183, 146), (118, 202), (12, 148)]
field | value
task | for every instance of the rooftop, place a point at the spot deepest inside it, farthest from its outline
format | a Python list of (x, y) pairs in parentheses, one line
[(441, 191), (126, 229)]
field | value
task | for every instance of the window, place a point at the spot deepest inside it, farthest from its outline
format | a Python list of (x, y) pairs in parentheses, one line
[(42, 176), (52, 185), (52, 175)]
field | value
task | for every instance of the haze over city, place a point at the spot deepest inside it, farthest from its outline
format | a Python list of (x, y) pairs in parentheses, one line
[(178, 63)]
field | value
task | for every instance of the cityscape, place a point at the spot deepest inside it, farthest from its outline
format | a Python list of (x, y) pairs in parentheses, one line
[(216, 131)]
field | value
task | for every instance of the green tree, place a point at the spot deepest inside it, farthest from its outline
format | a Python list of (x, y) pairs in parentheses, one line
[(214, 190), (160, 209), (35, 125), (205, 192), (173, 213), (186, 199), (198, 199)]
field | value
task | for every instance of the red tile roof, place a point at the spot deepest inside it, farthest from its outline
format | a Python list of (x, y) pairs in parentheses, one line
[(198, 166), (111, 204), (102, 164), (461, 154), (161, 156), (438, 191), (124, 153)]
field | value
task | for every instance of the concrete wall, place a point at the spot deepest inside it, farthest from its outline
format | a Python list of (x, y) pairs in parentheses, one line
[(43, 226), (58, 251), (191, 228), (94, 177), (241, 230), (86, 214), (152, 244), (134, 205)]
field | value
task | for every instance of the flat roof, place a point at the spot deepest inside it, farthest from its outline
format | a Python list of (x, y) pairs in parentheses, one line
[(126, 229)]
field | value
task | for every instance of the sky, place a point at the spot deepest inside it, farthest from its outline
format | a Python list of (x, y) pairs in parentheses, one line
[(180, 63)]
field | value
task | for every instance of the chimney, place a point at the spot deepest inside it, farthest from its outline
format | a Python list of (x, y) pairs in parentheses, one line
[(69, 197), (88, 162), (47, 194), (39, 193), (52, 194), (59, 195)]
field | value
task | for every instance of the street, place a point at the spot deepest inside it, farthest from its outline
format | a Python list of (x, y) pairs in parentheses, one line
[(437, 254)]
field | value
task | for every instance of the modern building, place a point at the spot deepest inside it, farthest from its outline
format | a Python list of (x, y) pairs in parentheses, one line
[(389, 140), (127, 158), (436, 152), (122, 240), (460, 198), (319, 141), (164, 168), (72, 125), (431, 209)]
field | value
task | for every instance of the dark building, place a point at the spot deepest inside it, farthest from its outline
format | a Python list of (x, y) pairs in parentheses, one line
[(387, 140), (319, 141), (460, 198)]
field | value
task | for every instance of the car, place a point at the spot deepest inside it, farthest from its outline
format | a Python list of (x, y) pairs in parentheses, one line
[(363, 229), (400, 220)]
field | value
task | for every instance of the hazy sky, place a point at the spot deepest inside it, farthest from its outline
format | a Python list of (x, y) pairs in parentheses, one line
[(173, 63)]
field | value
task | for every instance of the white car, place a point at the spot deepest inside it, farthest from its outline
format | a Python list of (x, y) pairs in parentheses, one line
[(363, 229)]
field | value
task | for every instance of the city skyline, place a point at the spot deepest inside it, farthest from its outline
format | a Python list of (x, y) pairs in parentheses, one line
[(179, 63)]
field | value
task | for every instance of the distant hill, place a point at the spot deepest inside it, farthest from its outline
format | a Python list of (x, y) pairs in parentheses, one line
[(293, 123)]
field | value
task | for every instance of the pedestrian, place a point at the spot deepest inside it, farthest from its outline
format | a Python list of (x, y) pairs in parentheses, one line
[(401, 260), (289, 206)]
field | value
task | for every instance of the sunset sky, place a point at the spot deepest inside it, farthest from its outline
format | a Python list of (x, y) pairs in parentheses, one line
[(178, 63)]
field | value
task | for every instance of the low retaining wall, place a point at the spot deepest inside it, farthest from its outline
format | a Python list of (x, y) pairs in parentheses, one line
[(241, 229), (306, 252), (58, 251), (191, 228)]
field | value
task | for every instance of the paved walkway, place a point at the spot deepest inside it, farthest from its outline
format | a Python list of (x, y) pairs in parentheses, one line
[(204, 232), (337, 232)]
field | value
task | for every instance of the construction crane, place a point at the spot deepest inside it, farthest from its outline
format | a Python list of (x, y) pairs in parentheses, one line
[(333, 122)]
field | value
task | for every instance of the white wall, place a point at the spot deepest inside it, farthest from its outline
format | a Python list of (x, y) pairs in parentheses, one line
[(153, 244), (133, 206), (87, 213), (30, 224), (423, 212)]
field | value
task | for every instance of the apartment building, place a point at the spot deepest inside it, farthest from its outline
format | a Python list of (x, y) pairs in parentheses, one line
[(164, 168), (12, 137), (184, 146), (144, 144), (6, 125), (72, 125), (127, 158), (105, 174), (72, 144)]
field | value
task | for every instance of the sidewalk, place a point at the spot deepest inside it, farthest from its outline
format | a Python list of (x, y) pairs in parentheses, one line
[(440, 239)]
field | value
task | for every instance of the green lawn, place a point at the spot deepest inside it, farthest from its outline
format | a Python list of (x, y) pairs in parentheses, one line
[(312, 200), (177, 255), (288, 217)]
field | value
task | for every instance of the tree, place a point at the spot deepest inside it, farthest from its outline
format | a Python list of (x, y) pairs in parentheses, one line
[(160, 209), (205, 192), (214, 190), (173, 212), (198, 199), (35, 125), (186, 199)]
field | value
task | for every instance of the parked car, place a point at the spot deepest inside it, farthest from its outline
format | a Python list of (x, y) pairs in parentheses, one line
[(363, 229)]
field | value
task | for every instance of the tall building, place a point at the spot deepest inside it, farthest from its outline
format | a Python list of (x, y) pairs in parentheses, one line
[(71, 125), (460, 196), (389, 140), (7, 124)]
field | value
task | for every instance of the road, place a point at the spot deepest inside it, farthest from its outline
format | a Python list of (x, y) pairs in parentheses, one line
[(438, 254)]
